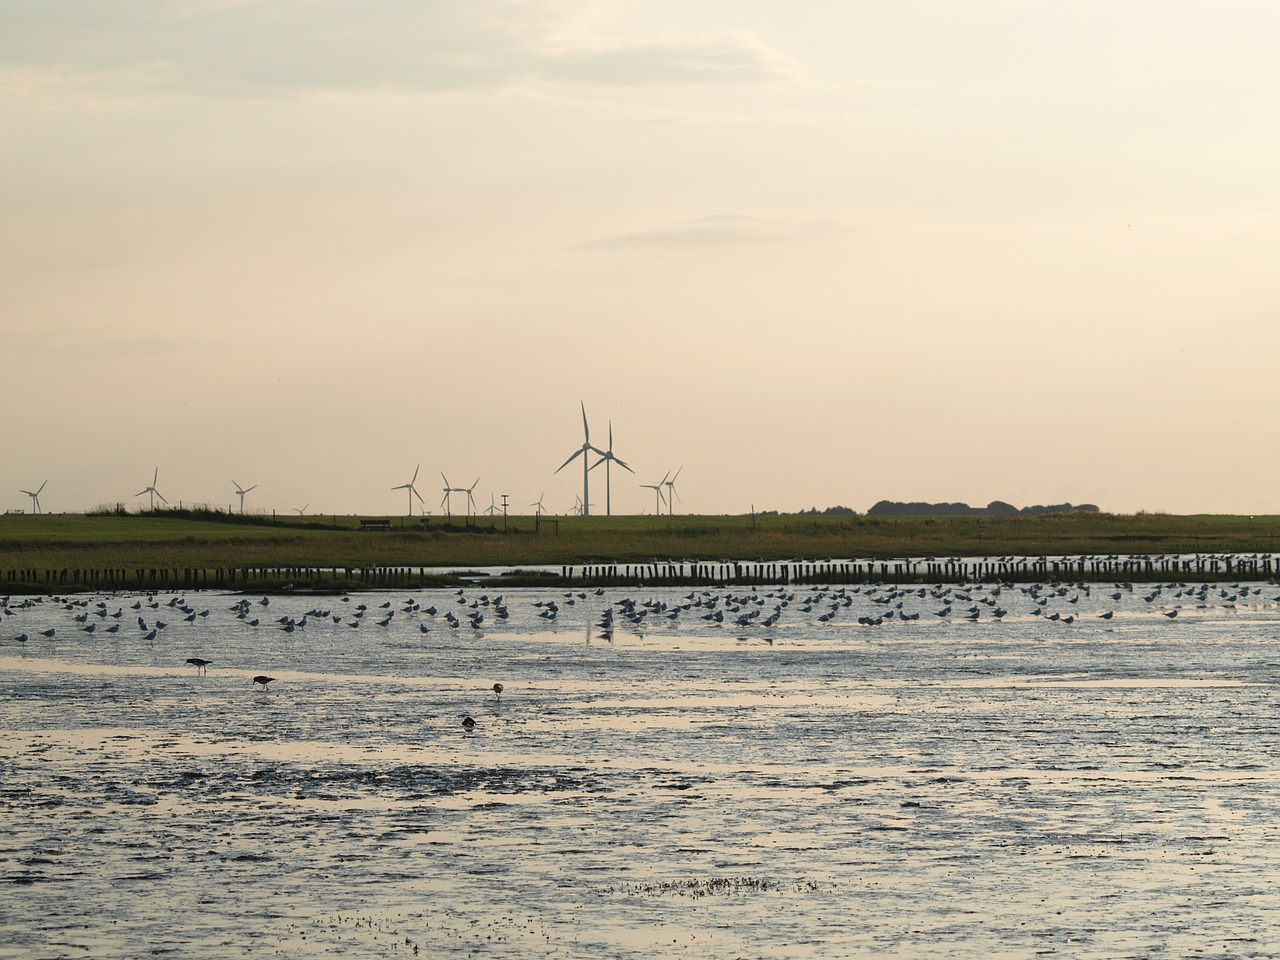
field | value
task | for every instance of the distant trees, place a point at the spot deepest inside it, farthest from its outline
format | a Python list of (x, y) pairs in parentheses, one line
[(996, 508)]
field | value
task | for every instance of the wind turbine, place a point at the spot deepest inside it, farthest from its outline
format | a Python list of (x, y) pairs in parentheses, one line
[(582, 452), (300, 511), (577, 506), (657, 493), (447, 501), (538, 508), (242, 491), (471, 500), (607, 459), (35, 496), (672, 496), (492, 509), (413, 491), (152, 490)]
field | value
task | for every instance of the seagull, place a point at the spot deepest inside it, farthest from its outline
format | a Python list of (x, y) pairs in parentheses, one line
[(200, 664)]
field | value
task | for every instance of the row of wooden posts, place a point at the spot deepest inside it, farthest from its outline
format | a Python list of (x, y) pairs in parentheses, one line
[(684, 573), (933, 570)]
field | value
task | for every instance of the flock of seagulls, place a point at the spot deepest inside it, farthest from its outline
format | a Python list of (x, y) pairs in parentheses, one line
[(763, 614)]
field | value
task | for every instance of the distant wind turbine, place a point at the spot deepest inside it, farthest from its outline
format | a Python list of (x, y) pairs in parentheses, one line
[(152, 490), (35, 496), (413, 491), (672, 496), (582, 452), (607, 459), (242, 491), (300, 511), (657, 493), (492, 509), (538, 508), (471, 500), (447, 501)]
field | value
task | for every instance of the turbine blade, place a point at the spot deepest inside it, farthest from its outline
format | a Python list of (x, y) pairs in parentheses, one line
[(673, 479), (415, 472), (418, 495), (576, 454), (622, 463), (586, 431), (141, 492), (254, 487), (41, 488), (160, 495)]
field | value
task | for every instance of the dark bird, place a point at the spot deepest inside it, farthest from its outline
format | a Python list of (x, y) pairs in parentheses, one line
[(260, 679), (497, 690), (200, 664), (468, 724)]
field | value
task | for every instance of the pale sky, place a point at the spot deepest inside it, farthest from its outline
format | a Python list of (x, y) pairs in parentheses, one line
[(816, 253)]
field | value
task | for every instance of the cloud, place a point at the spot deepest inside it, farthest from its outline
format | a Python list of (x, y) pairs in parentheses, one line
[(242, 48)]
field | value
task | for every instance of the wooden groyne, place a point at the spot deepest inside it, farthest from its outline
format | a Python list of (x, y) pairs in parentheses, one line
[(1200, 567), (931, 570), (142, 579)]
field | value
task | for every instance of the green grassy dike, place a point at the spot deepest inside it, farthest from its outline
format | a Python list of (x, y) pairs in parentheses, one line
[(181, 540)]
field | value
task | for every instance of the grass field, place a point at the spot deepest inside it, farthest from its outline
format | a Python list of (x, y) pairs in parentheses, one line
[(183, 539)]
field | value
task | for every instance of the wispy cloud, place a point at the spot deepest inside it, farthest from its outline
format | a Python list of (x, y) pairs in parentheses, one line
[(288, 47)]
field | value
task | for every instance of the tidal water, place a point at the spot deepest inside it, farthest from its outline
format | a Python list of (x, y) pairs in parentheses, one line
[(961, 772)]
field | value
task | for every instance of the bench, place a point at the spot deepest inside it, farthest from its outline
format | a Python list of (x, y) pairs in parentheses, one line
[(368, 524)]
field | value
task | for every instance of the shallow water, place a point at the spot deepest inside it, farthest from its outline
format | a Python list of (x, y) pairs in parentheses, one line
[(939, 787)]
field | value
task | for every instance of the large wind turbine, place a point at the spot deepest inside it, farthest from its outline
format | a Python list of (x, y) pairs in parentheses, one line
[(35, 496), (582, 452), (242, 491), (152, 490), (413, 491), (608, 459), (657, 494)]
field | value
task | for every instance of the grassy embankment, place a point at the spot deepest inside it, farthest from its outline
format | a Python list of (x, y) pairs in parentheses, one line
[(177, 540)]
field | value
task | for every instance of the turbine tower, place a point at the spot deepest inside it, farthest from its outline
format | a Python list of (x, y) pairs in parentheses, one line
[(242, 491), (608, 459), (152, 490), (35, 497), (582, 452), (413, 491)]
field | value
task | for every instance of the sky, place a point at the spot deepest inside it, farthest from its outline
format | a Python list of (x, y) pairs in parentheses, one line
[(811, 254)]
